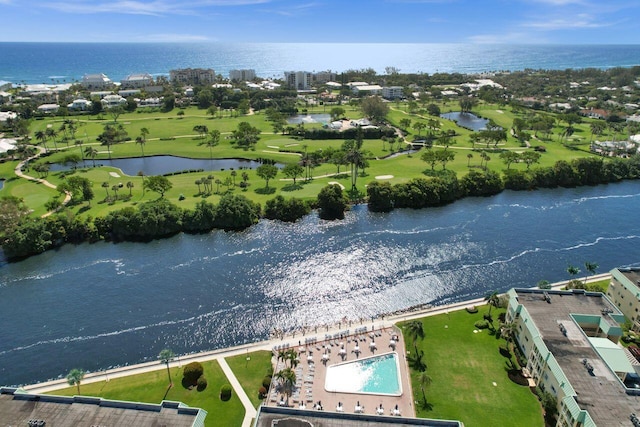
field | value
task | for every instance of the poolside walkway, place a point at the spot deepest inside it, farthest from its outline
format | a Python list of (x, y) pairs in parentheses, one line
[(268, 345)]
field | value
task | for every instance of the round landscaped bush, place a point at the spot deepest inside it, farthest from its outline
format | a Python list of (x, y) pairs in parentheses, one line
[(472, 309), (192, 372), (266, 382), (202, 383), (481, 324), (262, 393), (225, 392)]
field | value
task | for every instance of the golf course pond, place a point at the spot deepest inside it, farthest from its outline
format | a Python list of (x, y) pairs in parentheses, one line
[(466, 120), (160, 165)]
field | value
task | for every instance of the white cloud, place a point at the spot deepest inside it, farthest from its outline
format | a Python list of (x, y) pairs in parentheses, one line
[(294, 9), (140, 7), (580, 21), (177, 38), (508, 38), (559, 2)]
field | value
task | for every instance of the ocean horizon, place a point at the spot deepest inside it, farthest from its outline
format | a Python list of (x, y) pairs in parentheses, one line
[(55, 62)]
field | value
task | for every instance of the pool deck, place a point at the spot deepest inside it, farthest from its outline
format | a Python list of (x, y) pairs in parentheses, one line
[(311, 372)]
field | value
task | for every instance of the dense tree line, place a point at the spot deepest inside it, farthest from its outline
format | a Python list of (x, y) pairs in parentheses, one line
[(147, 221), (22, 236), (445, 187), (351, 133)]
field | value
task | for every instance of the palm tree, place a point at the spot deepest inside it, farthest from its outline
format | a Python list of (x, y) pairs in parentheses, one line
[(140, 140), (233, 176), (42, 137), (591, 267), (508, 331), (573, 270), (415, 330), (91, 152), (292, 357), (469, 157), (425, 381), (51, 133), (115, 189), (130, 187), (214, 139), (287, 379), (74, 378), (143, 133), (141, 175), (105, 185), (78, 142), (165, 357), (493, 300)]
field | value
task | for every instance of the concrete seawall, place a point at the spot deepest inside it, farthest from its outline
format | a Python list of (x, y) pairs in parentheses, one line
[(268, 345)]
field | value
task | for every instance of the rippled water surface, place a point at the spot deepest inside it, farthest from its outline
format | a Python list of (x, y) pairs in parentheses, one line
[(100, 305)]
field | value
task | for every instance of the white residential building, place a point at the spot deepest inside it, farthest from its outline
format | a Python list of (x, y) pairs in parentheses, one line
[(79, 105), (136, 81), (49, 108), (299, 80), (245, 75), (324, 76), (392, 92), (128, 92), (110, 101), (7, 115), (96, 81), (367, 90), (194, 76)]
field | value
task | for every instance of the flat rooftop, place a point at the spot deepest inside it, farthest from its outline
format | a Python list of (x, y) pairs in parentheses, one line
[(601, 394), (18, 409), (288, 417), (633, 274)]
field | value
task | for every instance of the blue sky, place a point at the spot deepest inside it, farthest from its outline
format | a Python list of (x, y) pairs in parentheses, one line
[(421, 21)]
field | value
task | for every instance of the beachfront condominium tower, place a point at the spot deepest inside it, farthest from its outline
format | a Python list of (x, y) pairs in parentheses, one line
[(299, 80), (193, 76), (246, 75)]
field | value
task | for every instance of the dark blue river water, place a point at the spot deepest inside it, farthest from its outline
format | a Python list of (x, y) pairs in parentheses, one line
[(99, 305)]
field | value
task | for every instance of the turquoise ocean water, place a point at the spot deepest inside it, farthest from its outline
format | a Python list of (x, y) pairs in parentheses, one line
[(66, 62)]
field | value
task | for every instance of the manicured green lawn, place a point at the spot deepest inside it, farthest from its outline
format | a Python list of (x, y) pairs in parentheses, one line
[(173, 135), (600, 285), (152, 387), (251, 372), (463, 366)]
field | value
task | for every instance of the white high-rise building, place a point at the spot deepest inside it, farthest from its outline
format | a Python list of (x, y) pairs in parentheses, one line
[(299, 80), (242, 75)]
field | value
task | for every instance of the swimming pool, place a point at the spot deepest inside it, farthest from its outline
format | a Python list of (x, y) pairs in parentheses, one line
[(372, 375)]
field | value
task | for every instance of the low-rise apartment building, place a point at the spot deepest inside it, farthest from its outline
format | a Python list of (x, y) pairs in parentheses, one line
[(624, 292), (570, 342)]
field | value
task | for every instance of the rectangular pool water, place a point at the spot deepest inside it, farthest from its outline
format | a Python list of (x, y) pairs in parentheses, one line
[(372, 375)]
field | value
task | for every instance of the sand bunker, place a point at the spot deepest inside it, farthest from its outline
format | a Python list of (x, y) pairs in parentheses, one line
[(384, 176)]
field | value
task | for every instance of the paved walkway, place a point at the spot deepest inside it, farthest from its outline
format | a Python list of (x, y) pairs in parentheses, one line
[(250, 412), (268, 345), (20, 174)]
